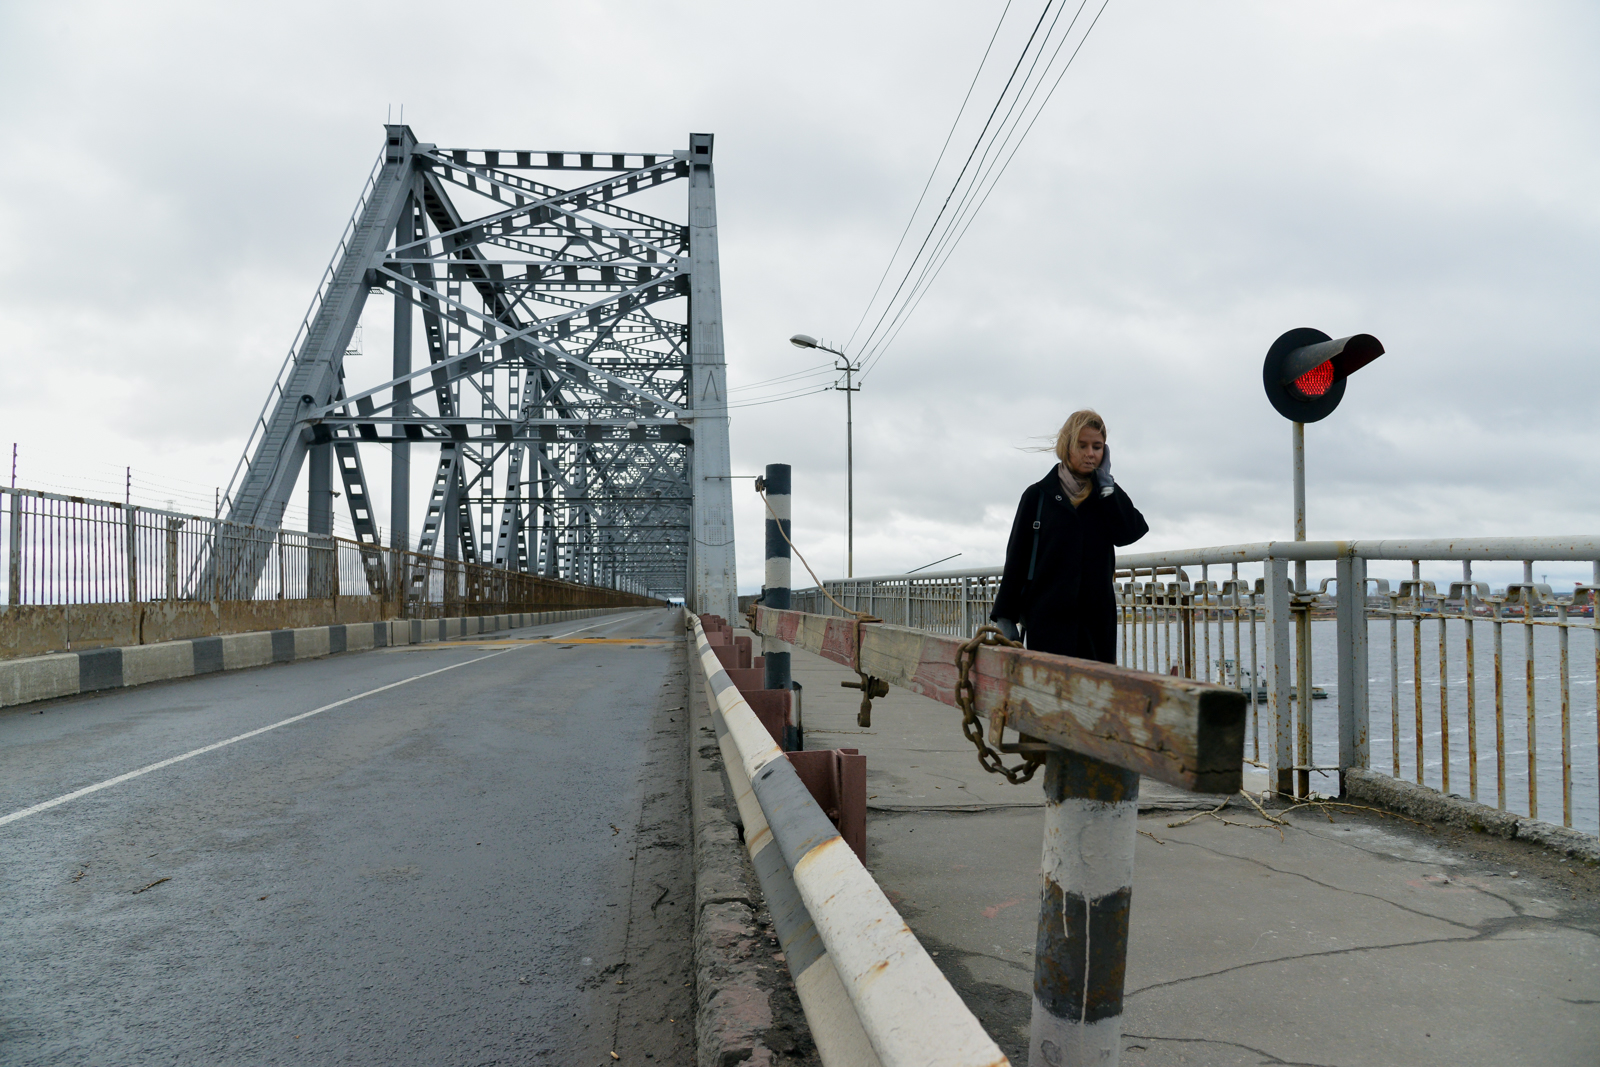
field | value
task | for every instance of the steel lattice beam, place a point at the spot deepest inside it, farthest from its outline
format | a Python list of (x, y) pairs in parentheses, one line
[(574, 386)]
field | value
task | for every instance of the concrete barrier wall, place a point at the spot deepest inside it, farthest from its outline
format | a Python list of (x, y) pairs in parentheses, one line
[(61, 674), (30, 630), (35, 630)]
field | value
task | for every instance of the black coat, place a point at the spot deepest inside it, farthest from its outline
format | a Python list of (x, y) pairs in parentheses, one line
[(1069, 608)]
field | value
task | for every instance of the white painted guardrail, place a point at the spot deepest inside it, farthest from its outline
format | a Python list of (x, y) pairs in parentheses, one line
[(871, 993)]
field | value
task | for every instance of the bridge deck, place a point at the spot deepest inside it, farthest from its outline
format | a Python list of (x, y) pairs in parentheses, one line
[(458, 869), (1361, 940)]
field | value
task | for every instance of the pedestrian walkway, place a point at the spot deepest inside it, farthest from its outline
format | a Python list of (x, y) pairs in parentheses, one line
[(1328, 937)]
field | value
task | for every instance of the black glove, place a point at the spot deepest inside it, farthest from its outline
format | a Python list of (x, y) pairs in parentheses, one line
[(1102, 474), (1009, 629)]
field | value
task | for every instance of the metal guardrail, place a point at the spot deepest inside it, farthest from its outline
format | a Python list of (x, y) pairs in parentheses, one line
[(1428, 686), (67, 550), (870, 991)]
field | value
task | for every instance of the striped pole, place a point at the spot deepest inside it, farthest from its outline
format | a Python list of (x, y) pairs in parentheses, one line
[(1091, 825), (776, 593)]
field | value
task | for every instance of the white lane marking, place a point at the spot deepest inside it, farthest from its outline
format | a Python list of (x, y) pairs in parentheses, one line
[(119, 779)]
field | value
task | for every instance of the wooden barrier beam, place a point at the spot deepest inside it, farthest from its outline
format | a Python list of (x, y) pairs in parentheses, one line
[(1185, 733)]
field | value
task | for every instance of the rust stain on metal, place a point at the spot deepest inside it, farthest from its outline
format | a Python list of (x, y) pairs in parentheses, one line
[(1186, 733)]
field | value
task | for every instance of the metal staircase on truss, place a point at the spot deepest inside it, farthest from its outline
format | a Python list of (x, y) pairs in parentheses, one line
[(574, 387)]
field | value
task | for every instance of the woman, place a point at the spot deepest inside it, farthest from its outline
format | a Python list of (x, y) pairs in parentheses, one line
[(1062, 552)]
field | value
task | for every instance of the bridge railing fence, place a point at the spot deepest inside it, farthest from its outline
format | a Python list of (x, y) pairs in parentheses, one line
[(1478, 684), (65, 550)]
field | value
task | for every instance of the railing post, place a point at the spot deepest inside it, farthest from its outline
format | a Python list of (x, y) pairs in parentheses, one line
[(1351, 623), (14, 550), (1090, 829), (173, 526), (132, 515), (966, 606), (1278, 639), (1186, 609)]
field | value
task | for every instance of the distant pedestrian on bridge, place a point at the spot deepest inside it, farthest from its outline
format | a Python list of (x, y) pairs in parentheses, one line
[(1057, 584)]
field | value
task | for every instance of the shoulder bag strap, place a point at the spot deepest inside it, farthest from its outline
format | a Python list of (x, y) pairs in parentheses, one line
[(1038, 515)]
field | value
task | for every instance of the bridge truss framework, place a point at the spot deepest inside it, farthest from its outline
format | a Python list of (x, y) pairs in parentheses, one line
[(572, 390)]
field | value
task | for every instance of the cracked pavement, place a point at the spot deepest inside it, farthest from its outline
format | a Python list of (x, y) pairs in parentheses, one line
[(1349, 938)]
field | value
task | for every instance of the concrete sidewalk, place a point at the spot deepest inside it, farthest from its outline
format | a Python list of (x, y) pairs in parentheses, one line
[(1343, 938)]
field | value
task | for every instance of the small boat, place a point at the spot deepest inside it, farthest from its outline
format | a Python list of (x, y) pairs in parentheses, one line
[(1233, 677)]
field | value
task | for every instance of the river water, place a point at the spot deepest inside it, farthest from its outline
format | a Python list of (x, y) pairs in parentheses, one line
[(1385, 701)]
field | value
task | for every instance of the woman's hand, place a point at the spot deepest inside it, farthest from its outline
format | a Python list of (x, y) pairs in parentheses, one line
[(1009, 629), (1102, 474)]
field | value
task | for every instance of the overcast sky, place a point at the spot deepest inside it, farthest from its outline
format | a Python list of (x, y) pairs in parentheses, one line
[(1206, 177)]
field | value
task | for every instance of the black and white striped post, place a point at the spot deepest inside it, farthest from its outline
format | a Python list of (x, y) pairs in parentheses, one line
[(776, 593), (1091, 826)]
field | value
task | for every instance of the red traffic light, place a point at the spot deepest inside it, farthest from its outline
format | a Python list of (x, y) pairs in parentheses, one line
[(1316, 381), (1305, 371)]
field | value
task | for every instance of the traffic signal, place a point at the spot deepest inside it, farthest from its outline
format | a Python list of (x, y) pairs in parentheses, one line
[(1305, 371)]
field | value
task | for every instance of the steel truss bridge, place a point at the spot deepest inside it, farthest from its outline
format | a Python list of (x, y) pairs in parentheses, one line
[(572, 398)]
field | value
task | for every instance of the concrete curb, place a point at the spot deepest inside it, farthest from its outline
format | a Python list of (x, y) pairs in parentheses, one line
[(1423, 802), (63, 674)]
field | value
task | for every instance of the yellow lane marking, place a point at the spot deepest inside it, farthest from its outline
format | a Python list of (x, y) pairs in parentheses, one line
[(513, 642)]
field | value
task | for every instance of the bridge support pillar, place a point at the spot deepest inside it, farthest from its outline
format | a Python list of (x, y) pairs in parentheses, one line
[(713, 586)]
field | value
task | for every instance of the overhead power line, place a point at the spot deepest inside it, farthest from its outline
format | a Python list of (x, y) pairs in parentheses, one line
[(965, 216), (1016, 109), (887, 267)]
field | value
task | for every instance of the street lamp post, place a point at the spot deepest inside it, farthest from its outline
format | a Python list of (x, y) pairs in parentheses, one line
[(801, 340)]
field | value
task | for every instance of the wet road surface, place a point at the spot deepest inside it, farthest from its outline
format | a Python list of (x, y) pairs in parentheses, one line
[(476, 865)]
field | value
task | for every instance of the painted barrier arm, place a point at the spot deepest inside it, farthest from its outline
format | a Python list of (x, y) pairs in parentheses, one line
[(1185, 733)]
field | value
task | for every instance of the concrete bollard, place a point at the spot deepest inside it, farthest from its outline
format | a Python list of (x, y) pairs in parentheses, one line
[(1091, 826), (778, 675)]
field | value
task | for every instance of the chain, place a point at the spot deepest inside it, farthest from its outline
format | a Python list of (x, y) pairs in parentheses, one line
[(967, 700)]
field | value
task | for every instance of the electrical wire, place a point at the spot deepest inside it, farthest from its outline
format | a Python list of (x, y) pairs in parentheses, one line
[(943, 255), (985, 166), (986, 162), (962, 110), (991, 155), (776, 400), (1027, 46), (821, 368)]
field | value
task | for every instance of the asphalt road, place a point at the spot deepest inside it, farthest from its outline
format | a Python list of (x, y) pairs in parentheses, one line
[(487, 864)]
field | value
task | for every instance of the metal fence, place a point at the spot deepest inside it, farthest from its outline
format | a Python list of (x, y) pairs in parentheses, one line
[(1431, 673), (67, 550)]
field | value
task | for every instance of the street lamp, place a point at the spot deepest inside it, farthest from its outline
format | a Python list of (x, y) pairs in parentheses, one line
[(801, 340)]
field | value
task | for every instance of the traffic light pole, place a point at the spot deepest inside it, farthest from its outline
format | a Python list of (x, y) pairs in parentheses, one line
[(1301, 606), (1299, 498), (1304, 375)]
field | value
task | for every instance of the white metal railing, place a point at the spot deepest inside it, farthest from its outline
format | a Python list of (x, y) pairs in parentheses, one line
[(1480, 682)]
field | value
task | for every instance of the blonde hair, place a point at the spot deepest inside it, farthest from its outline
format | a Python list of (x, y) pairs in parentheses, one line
[(1077, 422)]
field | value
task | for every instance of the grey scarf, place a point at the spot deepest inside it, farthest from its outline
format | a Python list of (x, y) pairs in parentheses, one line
[(1076, 488)]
